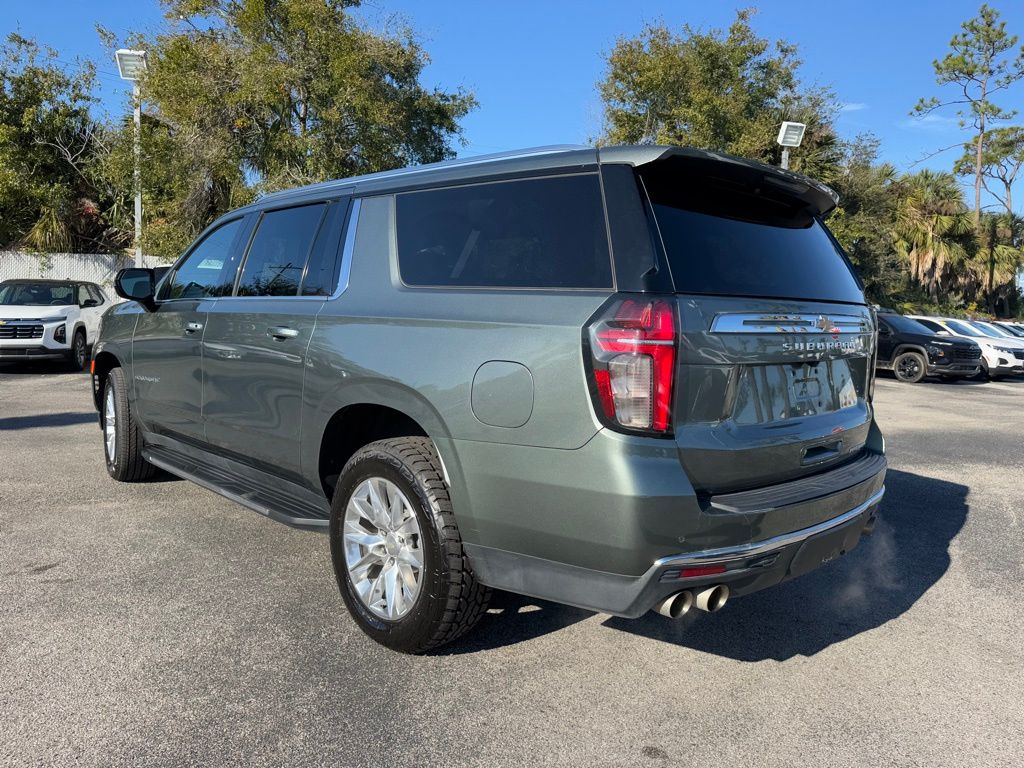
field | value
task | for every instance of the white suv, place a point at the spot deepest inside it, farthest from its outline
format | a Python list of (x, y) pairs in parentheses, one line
[(1000, 355), (49, 320)]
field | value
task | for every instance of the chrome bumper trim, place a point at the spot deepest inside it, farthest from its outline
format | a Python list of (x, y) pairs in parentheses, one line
[(754, 548)]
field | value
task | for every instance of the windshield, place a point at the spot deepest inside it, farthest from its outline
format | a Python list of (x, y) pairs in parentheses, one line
[(906, 325), (999, 332), (1013, 329), (37, 294), (963, 329), (732, 241)]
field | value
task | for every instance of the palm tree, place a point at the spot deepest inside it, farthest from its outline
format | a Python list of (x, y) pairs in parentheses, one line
[(933, 227), (999, 256)]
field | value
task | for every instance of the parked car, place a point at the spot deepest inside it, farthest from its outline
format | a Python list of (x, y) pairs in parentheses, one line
[(912, 351), (624, 379), (999, 357), (1016, 329), (49, 320)]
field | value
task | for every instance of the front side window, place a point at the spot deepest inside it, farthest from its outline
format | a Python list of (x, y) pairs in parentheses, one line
[(535, 233), (279, 251), (200, 275), (37, 294)]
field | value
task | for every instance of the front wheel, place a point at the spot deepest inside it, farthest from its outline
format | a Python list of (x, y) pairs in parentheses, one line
[(79, 354), (397, 551), (910, 367), (122, 441)]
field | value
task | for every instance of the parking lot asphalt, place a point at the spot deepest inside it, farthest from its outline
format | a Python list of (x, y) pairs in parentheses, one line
[(160, 624)]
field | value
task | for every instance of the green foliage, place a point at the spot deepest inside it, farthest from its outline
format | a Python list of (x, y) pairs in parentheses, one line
[(979, 64), (250, 96), (721, 90), (47, 200)]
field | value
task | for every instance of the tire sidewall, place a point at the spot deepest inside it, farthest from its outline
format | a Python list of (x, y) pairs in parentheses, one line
[(112, 385), (78, 340), (409, 631)]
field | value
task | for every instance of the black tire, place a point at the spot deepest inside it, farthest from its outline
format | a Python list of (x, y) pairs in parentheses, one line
[(78, 357), (910, 367), (126, 464), (450, 599)]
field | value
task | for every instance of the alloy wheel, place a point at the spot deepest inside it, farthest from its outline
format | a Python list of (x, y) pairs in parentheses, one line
[(908, 368), (383, 548), (80, 351), (110, 424)]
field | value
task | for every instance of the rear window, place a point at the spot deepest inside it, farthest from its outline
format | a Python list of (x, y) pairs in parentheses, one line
[(733, 241), (535, 233)]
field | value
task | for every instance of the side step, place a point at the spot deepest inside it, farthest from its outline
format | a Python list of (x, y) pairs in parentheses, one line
[(273, 503)]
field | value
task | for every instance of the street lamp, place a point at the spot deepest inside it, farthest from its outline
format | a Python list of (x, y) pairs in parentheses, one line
[(790, 135), (132, 65)]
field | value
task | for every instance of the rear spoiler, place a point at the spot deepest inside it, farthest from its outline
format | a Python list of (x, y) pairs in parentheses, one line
[(819, 198)]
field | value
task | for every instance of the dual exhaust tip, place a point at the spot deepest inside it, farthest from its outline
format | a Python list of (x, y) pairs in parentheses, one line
[(710, 599)]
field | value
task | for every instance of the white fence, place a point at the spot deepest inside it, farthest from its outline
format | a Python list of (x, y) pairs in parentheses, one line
[(91, 267)]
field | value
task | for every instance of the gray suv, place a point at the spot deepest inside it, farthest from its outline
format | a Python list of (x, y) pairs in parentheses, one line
[(625, 379)]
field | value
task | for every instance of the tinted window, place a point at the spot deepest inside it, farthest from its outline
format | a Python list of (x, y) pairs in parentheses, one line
[(37, 294), (906, 325), (279, 250), (322, 272), (200, 275), (932, 326), (539, 233), (734, 241)]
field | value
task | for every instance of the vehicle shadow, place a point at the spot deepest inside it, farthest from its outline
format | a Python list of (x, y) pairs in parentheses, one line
[(48, 420), (877, 582), (48, 367)]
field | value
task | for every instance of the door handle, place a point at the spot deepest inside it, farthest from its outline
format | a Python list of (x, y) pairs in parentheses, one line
[(281, 332), (193, 327)]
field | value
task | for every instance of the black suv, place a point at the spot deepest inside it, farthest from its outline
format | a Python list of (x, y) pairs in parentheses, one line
[(913, 351)]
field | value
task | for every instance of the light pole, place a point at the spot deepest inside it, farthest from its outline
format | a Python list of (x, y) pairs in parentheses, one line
[(790, 135), (132, 65)]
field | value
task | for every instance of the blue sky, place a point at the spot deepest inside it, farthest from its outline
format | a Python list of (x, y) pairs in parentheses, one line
[(534, 65)]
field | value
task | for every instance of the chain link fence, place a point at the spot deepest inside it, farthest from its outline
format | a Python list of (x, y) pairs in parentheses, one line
[(97, 268)]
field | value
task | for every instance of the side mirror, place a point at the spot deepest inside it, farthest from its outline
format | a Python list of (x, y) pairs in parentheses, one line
[(136, 284), (90, 303), (942, 333)]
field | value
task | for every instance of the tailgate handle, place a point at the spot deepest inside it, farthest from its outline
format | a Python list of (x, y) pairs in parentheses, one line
[(822, 452)]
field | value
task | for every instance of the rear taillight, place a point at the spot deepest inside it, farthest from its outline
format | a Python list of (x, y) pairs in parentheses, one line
[(633, 361)]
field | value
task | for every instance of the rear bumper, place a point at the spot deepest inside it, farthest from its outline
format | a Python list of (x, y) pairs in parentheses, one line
[(749, 567)]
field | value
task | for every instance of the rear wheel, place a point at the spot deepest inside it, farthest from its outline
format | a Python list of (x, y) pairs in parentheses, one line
[(910, 367), (122, 442), (397, 551)]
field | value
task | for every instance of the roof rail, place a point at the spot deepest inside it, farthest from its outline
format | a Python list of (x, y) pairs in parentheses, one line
[(455, 162)]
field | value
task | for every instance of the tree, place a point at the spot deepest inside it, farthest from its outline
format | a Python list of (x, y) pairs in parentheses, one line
[(933, 230), (249, 96), (978, 66), (47, 199), (864, 220), (726, 91), (1002, 159)]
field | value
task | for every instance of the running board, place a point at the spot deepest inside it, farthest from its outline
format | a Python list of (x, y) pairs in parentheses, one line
[(279, 506)]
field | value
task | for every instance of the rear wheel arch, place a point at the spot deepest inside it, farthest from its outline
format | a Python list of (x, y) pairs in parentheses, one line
[(351, 428)]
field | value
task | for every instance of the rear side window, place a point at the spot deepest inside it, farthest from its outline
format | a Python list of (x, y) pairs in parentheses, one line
[(536, 233), (280, 247), (733, 241), (322, 271), (199, 276)]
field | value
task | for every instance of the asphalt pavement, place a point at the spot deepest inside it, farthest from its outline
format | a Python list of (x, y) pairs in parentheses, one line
[(160, 624)]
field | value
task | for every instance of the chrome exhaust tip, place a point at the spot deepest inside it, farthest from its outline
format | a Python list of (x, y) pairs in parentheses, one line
[(712, 599), (675, 606)]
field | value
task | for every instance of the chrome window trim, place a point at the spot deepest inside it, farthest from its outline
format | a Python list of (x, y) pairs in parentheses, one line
[(347, 249)]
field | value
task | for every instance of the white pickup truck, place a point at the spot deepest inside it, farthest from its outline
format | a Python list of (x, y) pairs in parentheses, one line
[(49, 320)]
